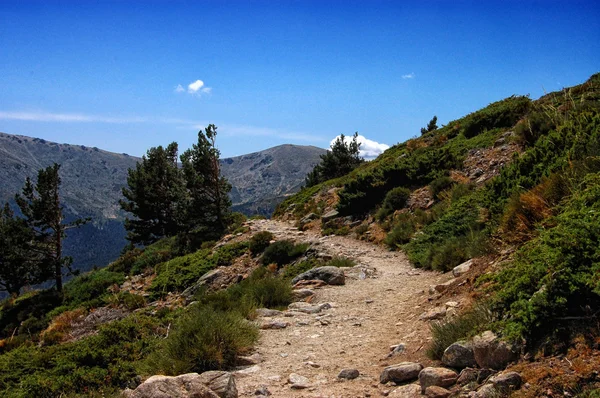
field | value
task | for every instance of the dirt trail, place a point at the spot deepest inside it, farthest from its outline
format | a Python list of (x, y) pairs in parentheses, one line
[(367, 316)]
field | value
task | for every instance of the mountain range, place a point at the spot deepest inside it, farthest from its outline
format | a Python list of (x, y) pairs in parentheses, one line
[(92, 180)]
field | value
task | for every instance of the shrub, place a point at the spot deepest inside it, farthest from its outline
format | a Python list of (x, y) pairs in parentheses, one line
[(341, 262), (91, 289), (440, 184), (282, 252), (395, 199), (203, 339), (404, 228), (128, 300), (469, 323), (260, 241), (292, 270)]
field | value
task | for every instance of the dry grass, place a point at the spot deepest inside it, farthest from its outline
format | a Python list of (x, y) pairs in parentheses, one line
[(61, 325)]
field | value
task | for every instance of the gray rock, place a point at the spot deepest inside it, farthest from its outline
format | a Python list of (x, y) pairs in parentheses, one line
[(484, 374), (459, 355), (348, 374), (330, 215), (250, 360), (436, 392), (222, 383), (328, 274), (491, 352), (436, 313), (298, 382), (440, 377), (507, 382), (188, 385), (209, 278), (309, 217), (267, 312), (462, 268), (307, 308), (262, 391), (272, 324), (487, 391), (401, 372)]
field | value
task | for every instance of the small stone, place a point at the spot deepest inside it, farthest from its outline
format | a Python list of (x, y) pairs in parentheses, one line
[(436, 392), (348, 374), (437, 313), (266, 312), (262, 390), (312, 364), (274, 325), (462, 268), (298, 382)]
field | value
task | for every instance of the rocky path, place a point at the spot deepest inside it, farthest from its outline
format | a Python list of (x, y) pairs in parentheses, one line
[(379, 306)]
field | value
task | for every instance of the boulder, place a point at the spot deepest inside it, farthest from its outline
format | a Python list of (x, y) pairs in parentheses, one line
[(459, 355), (440, 377), (441, 288), (436, 392), (462, 268), (330, 215), (407, 391), (222, 383), (328, 274), (348, 374), (507, 382), (491, 352), (401, 372), (188, 385)]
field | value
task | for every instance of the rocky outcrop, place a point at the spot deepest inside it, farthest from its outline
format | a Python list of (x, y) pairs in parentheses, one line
[(402, 372), (328, 274), (222, 383), (462, 268)]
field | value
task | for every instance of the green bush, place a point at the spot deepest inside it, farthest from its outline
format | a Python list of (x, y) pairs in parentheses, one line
[(505, 113), (91, 289), (444, 333), (404, 228), (260, 241), (395, 199), (292, 270), (128, 300), (203, 339), (341, 262), (440, 184), (283, 252)]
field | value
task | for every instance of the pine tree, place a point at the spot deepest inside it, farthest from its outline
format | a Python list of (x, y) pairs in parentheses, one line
[(43, 214), (431, 126), (156, 196), (20, 263), (342, 158), (209, 210)]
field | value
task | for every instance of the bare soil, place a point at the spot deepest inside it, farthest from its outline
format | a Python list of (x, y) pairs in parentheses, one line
[(379, 306)]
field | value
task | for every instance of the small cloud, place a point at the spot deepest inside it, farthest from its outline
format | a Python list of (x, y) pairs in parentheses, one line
[(409, 76), (195, 86), (179, 89), (206, 90), (369, 149)]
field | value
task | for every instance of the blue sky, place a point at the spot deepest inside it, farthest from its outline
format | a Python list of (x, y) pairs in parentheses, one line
[(106, 74)]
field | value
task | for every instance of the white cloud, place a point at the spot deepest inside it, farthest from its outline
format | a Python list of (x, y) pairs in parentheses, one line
[(179, 89), (409, 76), (369, 149), (195, 86)]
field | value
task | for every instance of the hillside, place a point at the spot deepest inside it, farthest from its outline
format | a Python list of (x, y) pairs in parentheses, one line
[(261, 180)]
